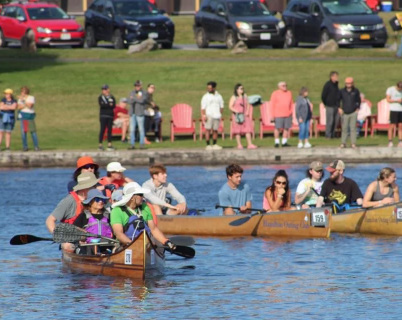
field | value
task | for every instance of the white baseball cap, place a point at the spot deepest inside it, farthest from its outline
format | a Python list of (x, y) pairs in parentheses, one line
[(115, 167)]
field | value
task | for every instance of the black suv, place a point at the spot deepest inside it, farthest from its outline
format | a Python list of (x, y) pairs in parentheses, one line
[(348, 22), (232, 20), (125, 22)]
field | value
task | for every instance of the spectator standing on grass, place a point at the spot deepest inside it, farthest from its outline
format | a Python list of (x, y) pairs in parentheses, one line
[(122, 119), (350, 104), (304, 112), (137, 102), (7, 118), (242, 123), (27, 115), (330, 98), (282, 108), (364, 112), (211, 113), (107, 103), (394, 98)]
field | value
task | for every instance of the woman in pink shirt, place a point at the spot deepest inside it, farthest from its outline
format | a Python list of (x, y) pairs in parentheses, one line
[(242, 125)]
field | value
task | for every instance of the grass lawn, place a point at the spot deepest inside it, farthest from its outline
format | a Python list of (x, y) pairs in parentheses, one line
[(66, 83)]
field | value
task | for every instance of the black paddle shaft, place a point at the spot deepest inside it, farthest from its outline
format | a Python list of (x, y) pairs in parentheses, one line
[(238, 208)]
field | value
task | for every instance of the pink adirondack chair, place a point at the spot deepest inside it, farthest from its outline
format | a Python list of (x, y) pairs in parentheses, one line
[(232, 120), (267, 124), (221, 129), (320, 121), (182, 121), (381, 121)]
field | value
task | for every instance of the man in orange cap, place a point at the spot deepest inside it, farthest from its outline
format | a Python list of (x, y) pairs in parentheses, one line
[(350, 104)]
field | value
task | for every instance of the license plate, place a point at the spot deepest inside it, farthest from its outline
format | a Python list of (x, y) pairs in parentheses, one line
[(318, 219), (265, 36), (153, 35), (365, 37), (65, 36)]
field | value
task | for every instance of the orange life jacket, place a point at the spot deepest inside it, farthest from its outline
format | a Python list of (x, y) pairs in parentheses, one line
[(154, 219), (79, 208)]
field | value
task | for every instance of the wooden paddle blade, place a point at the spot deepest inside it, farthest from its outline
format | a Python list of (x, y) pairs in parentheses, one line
[(182, 240), (20, 239), (239, 222), (182, 251)]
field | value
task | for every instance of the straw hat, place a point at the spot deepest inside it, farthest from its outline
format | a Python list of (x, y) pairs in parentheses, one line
[(129, 190), (8, 90), (85, 180)]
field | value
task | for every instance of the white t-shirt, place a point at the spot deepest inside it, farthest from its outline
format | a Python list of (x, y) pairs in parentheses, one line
[(305, 184), (212, 104), (394, 95), (28, 99), (364, 111)]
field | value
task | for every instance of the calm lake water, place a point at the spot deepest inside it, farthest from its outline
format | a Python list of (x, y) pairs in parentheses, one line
[(344, 277)]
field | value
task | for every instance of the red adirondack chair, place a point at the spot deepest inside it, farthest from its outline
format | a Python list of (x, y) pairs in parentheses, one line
[(221, 128), (182, 121), (232, 120), (380, 122), (266, 121), (320, 121)]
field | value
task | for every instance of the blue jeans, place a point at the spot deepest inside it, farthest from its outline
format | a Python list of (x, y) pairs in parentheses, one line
[(399, 52), (25, 138), (134, 120), (304, 128)]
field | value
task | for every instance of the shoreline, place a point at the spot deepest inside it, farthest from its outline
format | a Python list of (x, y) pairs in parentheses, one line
[(199, 156)]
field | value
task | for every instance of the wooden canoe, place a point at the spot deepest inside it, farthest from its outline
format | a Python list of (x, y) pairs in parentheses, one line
[(137, 260), (385, 220), (295, 223)]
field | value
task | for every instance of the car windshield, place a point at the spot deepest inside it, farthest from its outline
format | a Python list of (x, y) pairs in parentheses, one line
[(346, 7), (47, 13), (247, 8), (134, 8)]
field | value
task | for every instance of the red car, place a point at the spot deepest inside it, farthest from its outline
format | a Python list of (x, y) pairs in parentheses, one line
[(50, 25)]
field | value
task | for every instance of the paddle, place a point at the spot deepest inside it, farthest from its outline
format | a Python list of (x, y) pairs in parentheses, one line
[(238, 208), (26, 238), (182, 251), (186, 241)]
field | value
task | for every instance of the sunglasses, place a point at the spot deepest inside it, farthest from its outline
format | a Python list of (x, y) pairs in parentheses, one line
[(96, 199), (284, 183), (88, 166), (319, 171)]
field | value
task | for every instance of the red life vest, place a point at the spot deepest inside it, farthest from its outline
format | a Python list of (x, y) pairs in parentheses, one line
[(79, 208), (117, 183), (154, 219)]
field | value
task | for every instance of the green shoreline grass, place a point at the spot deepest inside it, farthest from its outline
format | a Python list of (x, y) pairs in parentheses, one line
[(66, 84)]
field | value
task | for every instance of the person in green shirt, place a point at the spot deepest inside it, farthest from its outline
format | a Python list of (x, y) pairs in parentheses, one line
[(133, 203)]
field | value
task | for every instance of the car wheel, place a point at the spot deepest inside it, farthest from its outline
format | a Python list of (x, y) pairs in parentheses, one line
[(117, 40), (290, 40), (201, 38), (324, 36), (379, 45), (167, 45), (230, 39), (3, 42), (89, 41), (278, 45)]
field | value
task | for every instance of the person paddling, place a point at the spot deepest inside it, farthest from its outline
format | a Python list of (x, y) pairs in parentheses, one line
[(131, 212)]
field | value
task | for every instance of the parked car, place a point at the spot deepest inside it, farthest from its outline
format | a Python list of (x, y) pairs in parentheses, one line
[(125, 22), (50, 25), (348, 22), (230, 21)]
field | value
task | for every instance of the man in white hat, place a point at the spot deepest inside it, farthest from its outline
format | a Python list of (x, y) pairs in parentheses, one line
[(338, 188), (130, 208), (71, 206), (115, 176)]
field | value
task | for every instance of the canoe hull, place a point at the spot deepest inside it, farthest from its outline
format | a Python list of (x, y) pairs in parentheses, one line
[(137, 260), (385, 220), (286, 223)]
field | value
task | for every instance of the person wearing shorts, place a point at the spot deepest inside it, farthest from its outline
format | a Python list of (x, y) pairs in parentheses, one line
[(7, 116), (394, 98), (211, 112), (282, 107)]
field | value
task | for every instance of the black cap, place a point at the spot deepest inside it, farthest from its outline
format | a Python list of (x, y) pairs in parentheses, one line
[(105, 87)]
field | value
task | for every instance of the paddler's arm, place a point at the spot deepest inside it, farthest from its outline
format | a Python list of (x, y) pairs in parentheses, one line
[(51, 223), (156, 232), (119, 233)]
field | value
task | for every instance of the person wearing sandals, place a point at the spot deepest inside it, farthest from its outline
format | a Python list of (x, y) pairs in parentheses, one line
[(350, 104), (242, 124), (304, 112), (382, 191)]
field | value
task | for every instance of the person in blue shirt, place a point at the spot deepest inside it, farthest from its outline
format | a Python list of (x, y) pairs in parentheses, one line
[(235, 193)]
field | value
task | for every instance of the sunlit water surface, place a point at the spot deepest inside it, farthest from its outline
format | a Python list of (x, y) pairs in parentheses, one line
[(344, 277)]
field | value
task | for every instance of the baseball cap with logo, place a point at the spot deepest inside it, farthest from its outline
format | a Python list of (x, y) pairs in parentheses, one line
[(335, 165), (316, 165)]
